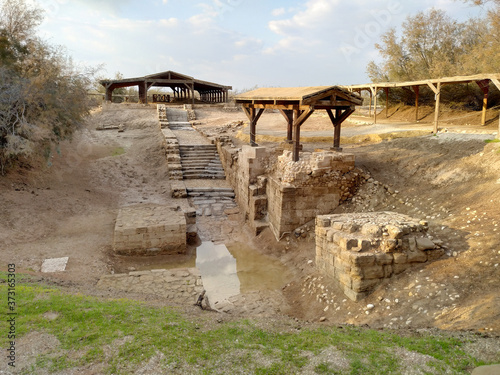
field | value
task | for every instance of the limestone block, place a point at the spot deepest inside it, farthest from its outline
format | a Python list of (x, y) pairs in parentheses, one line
[(400, 258), (400, 267), (360, 285), (394, 231), (322, 222), (417, 256), (384, 259), (373, 272), (389, 245), (423, 243), (363, 259)]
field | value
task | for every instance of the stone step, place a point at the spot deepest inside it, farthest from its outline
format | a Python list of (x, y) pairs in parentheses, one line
[(198, 147), (205, 177)]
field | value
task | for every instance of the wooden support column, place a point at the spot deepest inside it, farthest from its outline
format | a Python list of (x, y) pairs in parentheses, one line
[(496, 82), (253, 116), (386, 89), (437, 93), (371, 98), (375, 105), (109, 92), (142, 93), (484, 85), (417, 92), (288, 115), (299, 118), (340, 116)]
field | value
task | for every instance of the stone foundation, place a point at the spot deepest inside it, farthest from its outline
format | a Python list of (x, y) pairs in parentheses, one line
[(315, 185), (360, 250), (151, 230)]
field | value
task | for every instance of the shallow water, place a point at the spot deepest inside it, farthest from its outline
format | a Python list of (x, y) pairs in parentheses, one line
[(228, 270)]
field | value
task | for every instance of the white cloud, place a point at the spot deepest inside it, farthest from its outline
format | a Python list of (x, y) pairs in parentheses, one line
[(278, 12)]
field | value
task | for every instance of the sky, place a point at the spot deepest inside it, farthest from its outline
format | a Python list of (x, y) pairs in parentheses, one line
[(241, 43)]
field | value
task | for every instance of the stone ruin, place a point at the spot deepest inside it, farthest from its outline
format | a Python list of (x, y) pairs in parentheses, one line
[(149, 229), (360, 250), (315, 185)]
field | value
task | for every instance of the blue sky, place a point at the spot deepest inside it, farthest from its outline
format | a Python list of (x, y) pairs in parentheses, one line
[(242, 43)]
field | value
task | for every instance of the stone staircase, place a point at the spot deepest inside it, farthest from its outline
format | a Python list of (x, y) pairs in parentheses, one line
[(201, 162), (178, 119), (212, 201)]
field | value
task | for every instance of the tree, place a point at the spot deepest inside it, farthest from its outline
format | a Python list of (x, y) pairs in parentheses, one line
[(43, 97)]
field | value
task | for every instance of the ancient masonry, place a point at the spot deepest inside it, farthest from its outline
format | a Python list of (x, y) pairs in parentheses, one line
[(279, 193), (182, 285), (196, 158), (360, 250), (152, 230)]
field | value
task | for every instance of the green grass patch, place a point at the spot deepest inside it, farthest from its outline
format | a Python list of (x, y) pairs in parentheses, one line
[(122, 335), (118, 151), (496, 140)]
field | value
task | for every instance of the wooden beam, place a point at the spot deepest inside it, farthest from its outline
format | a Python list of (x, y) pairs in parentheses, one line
[(375, 105), (288, 115), (436, 111), (433, 88), (496, 82)]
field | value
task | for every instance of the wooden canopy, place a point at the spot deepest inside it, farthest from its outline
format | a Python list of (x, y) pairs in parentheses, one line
[(182, 85), (482, 80), (297, 104)]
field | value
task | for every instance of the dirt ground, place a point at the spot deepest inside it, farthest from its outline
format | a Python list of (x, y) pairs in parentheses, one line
[(452, 180)]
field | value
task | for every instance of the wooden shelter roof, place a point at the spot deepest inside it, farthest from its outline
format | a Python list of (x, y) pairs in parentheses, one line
[(166, 79), (324, 96), (494, 77)]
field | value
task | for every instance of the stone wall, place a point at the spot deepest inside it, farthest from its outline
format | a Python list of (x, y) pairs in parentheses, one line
[(277, 192), (151, 230), (299, 191), (246, 171), (360, 250)]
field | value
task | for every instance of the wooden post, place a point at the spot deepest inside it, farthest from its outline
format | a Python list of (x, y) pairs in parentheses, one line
[(109, 93), (253, 116), (371, 98), (417, 91), (484, 85), (436, 113), (288, 115), (299, 118), (386, 89), (296, 141)]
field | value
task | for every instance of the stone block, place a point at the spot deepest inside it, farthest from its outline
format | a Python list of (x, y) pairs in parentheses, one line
[(398, 268), (322, 221), (417, 256), (423, 243), (384, 259), (360, 285), (373, 272), (363, 259), (400, 258)]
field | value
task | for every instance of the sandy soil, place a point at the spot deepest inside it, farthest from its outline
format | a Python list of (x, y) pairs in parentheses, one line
[(452, 180)]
